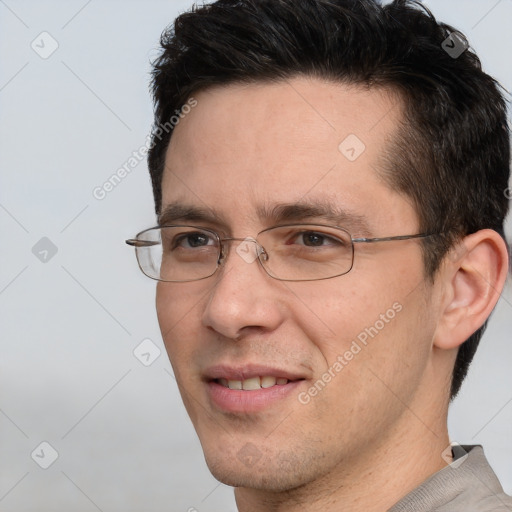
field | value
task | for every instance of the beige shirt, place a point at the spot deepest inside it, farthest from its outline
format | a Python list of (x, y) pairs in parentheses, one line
[(467, 485)]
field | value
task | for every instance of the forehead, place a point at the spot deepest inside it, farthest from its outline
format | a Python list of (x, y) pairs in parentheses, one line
[(248, 146)]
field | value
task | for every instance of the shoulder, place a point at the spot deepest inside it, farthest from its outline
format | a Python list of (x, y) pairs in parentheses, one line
[(467, 484)]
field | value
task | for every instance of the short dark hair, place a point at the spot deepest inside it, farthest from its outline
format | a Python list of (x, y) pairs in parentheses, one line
[(452, 153)]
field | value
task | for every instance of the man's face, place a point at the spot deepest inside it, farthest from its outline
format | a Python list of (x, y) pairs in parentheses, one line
[(354, 350)]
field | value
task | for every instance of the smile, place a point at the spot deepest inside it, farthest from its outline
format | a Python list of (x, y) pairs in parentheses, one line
[(250, 388), (253, 383)]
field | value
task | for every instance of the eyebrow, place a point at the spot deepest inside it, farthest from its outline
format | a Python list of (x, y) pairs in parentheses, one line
[(324, 211), (181, 212), (303, 211)]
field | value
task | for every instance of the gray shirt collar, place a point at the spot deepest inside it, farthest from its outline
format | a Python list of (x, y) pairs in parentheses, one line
[(468, 484)]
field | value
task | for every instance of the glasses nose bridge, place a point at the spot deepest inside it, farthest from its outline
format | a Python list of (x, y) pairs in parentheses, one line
[(243, 249)]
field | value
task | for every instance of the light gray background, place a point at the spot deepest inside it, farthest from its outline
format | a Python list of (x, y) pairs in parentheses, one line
[(68, 375)]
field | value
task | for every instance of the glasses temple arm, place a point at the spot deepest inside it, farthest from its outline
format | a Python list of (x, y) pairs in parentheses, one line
[(391, 238), (140, 243)]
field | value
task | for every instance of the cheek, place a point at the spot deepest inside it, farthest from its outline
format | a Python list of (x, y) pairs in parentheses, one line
[(178, 312), (333, 313), (179, 320), (365, 320), (371, 351), (177, 303)]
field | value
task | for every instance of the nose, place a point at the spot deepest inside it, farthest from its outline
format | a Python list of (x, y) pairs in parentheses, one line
[(245, 299)]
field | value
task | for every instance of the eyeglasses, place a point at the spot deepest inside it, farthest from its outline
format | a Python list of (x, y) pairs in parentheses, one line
[(291, 252)]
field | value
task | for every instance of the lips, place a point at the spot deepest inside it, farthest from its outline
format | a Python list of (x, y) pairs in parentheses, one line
[(249, 373), (249, 388), (254, 383)]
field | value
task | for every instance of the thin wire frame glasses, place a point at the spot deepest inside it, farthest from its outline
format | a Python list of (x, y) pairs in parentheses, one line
[(290, 252)]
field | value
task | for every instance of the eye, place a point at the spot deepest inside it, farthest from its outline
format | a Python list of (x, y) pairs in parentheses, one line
[(316, 239), (193, 240)]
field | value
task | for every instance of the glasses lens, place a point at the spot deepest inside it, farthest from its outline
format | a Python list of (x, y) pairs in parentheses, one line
[(178, 253), (306, 252)]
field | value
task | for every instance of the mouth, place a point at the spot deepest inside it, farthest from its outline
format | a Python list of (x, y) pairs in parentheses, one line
[(250, 389), (254, 383)]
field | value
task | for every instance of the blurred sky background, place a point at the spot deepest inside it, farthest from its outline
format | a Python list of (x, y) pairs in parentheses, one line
[(70, 324)]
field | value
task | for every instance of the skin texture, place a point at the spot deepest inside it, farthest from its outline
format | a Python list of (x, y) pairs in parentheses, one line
[(378, 428)]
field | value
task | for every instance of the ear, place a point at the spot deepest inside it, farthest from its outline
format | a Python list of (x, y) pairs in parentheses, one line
[(473, 276)]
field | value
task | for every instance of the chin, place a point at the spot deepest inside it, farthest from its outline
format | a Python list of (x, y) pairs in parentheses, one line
[(248, 468), (236, 477)]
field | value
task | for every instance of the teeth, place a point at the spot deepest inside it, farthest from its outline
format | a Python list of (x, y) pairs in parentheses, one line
[(268, 382), (235, 384), (253, 383)]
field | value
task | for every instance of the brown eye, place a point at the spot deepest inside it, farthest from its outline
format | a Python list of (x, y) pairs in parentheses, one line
[(313, 239)]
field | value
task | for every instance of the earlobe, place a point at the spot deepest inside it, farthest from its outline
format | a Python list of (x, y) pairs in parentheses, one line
[(474, 275)]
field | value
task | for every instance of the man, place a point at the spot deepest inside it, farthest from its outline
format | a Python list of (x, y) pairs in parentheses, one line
[(329, 248)]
